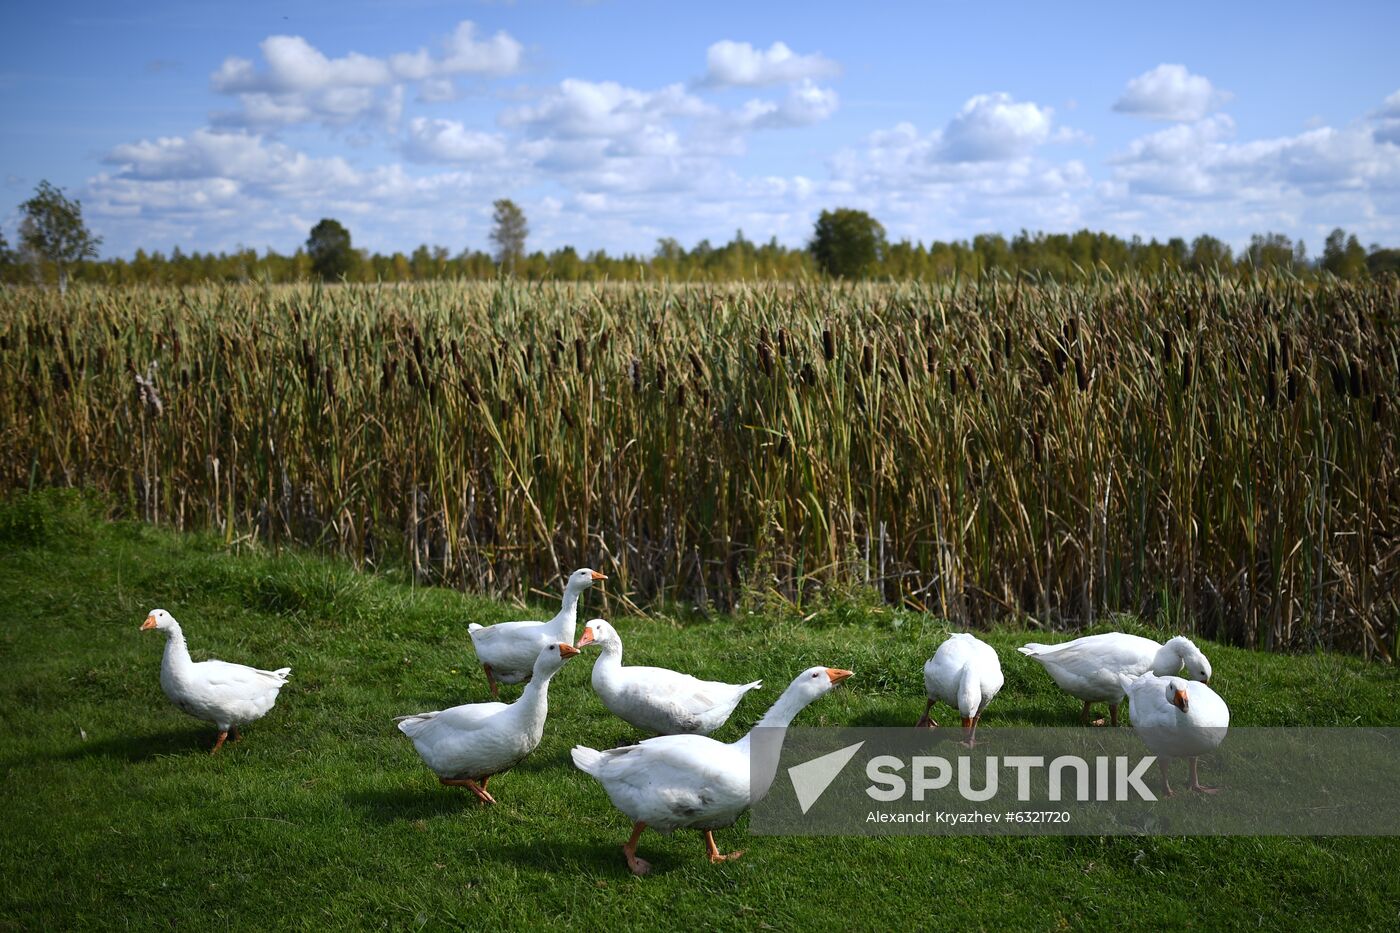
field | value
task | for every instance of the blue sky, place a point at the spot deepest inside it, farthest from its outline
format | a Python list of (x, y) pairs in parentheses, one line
[(616, 122)]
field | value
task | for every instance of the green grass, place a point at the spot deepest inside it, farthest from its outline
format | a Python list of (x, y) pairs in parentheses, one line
[(115, 815)]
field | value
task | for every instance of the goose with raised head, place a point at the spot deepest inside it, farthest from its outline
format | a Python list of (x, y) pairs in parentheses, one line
[(467, 745), (507, 650), (692, 781), (228, 695), (655, 699), (1177, 718), (1090, 668), (965, 673)]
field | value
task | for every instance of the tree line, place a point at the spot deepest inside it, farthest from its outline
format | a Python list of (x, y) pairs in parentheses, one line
[(55, 246)]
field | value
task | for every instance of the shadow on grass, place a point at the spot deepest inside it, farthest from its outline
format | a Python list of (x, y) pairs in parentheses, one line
[(193, 741), (393, 805), (604, 855)]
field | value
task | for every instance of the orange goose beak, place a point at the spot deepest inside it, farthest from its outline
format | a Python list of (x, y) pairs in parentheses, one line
[(837, 675), (586, 638), (567, 650), (149, 623)]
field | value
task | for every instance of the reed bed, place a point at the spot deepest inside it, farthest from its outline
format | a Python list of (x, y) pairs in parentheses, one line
[(1218, 453)]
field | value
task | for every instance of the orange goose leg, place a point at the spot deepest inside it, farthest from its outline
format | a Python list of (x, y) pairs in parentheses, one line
[(638, 866)]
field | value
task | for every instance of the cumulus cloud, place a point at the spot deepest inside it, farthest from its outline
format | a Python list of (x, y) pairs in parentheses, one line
[(1387, 120), (298, 83), (994, 127), (450, 141), (1170, 92), (580, 109), (739, 64), (804, 105)]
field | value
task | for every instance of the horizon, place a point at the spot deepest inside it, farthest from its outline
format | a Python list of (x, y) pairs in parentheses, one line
[(616, 124)]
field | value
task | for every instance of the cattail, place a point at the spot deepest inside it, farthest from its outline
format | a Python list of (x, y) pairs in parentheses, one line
[(417, 350), (1377, 408), (1061, 359), (1081, 375), (580, 355), (529, 357), (1270, 388), (783, 446), (930, 359), (568, 418), (697, 366), (1339, 380), (1273, 355), (1047, 369), (828, 346), (952, 381), (808, 374), (782, 342), (680, 394), (386, 376), (1354, 380), (765, 358), (184, 378), (971, 376), (1168, 348), (904, 368), (1292, 386), (557, 352), (456, 353), (661, 378), (471, 391), (867, 359), (1285, 351), (636, 375), (1006, 343)]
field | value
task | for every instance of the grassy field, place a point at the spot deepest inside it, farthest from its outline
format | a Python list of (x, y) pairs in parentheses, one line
[(116, 816)]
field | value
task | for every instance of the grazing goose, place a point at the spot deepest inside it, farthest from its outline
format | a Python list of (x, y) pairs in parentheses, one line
[(228, 695), (654, 699), (691, 781), (964, 673), (466, 745), (508, 650), (1089, 667), (1177, 718)]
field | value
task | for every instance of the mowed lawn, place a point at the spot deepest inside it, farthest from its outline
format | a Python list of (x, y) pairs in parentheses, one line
[(116, 816)]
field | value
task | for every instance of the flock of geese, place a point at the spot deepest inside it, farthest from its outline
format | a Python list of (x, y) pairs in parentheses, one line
[(681, 778)]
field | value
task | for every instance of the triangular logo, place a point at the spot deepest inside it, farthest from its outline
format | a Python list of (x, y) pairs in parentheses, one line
[(811, 778)]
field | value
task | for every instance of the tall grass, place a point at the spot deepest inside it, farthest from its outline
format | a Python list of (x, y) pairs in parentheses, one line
[(1219, 453)]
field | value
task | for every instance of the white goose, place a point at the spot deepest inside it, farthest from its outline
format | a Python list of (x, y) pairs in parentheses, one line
[(964, 673), (654, 699), (466, 745), (1177, 718), (692, 781), (1089, 667), (228, 695), (507, 651)]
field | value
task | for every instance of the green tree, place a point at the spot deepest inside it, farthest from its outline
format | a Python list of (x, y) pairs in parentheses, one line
[(53, 231), (1344, 256), (1209, 254), (847, 243), (1272, 252), (329, 248), (508, 233)]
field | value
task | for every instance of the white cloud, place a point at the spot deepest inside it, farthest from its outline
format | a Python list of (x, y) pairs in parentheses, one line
[(739, 64), (1170, 92), (1387, 120), (463, 53), (994, 127), (298, 83), (450, 141), (804, 105), (581, 109)]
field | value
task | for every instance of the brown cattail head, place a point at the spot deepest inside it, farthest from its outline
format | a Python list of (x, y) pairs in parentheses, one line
[(828, 346), (1377, 408), (904, 368), (970, 375), (1292, 386), (661, 378), (808, 374), (1081, 375), (1339, 379), (581, 354), (782, 342), (1353, 378), (867, 359), (636, 375), (765, 358), (1270, 388), (696, 366)]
